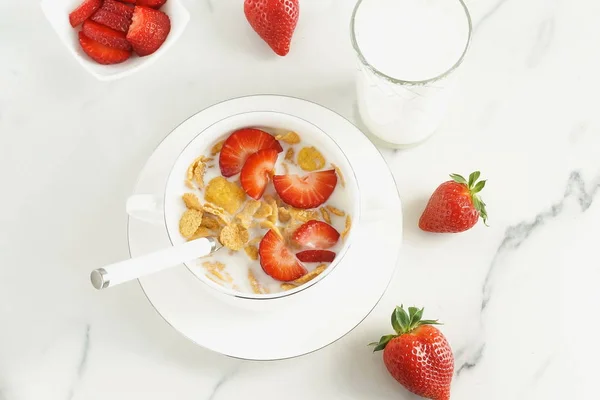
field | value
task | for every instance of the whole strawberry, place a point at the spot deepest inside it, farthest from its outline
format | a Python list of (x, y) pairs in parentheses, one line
[(418, 355), (274, 21), (454, 206)]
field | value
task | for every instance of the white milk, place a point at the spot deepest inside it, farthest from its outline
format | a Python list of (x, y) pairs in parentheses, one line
[(407, 40), (238, 263)]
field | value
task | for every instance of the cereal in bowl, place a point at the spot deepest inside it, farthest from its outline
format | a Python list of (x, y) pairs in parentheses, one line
[(276, 205)]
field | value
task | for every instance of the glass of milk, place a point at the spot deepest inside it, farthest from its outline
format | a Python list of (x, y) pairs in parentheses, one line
[(408, 52)]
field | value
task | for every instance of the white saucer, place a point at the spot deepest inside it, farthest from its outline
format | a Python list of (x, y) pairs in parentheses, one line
[(310, 319)]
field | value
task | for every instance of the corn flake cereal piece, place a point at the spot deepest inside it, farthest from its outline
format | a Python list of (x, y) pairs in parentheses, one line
[(289, 138), (339, 174), (216, 149), (310, 276), (255, 241), (347, 227), (310, 159), (189, 223), (325, 215), (234, 237), (289, 155), (256, 286), (264, 211), (304, 215), (269, 198), (335, 211), (217, 212), (251, 252), (247, 213), (220, 283), (202, 232), (274, 212), (284, 215), (191, 201), (287, 286), (209, 221), (271, 226), (217, 269), (199, 171), (225, 194)]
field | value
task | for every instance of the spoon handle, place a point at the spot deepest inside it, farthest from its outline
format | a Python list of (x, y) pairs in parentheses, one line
[(123, 271)]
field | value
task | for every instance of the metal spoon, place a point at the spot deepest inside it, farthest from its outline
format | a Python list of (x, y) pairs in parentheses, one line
[(127, 270)]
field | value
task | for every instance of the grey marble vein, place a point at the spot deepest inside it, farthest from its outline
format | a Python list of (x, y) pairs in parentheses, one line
[(542, 42), (221, 382), (515, 235), (488, 14), (472, 362), (541, 371), (210, 6), (82, 361)]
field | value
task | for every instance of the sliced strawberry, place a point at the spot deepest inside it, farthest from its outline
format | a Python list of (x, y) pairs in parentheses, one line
[(100, 53), (308, 191), (256, 172), (84, 11), (151, 3), (149, 29), (241, 144), (128, 1), (112, 20), (316, 256), (117, 7), (277, 260), (106, 36), (316, 235)]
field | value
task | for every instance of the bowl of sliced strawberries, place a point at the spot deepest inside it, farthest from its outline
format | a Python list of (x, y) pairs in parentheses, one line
[(112, 39)]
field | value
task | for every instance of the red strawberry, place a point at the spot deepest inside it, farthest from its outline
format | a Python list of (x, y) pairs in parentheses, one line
[(241, 144), (151, 3), (128, 1), (454, 206), (277, 260), (106, 36), (100, 53), (418, 355), (84, 11), (316, 256), (316, 235), (117, 7), (149, 30), (256, 172), (112, 20), (274, 21), (307, 191)]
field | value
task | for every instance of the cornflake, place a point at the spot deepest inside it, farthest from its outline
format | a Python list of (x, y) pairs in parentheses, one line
[(284, 215), (202, 232), (264, 211), (191, 201), (289, 155), (234, 237), (269, 198), (289, 138), (217, 269), (309, 276), (256, 286), (339, 173), (310, 159), (189, 223), (274, 212), (347, 228), (216, 149), (255, 241), (287, 286), (326, 216), (245, 216), (217, 212), (195, 172), (251, 252), (225, 194), (209, 221), (304, 215), (336, 211), (271, 226)]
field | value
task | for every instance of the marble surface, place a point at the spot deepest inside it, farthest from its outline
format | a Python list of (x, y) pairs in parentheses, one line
[(518, 298)]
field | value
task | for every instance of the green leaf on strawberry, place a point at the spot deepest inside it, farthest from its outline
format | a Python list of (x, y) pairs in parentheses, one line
[(403, 323)]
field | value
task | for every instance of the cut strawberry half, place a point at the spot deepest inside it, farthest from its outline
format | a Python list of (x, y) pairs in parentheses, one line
[(84, 11), (128, 1), (119, 8), (277, 260), (316, 256), (151, 3), (256, 172), (148, 31), (100, 53), (308, 191), (240, 145), (112, 20), (105, 35), (316, 235)]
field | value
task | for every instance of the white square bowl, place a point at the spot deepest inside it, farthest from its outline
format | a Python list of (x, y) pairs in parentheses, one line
[(57, 13)]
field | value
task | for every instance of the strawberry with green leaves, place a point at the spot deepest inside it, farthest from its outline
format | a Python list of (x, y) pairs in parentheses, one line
[(418, 355), (455, 206)]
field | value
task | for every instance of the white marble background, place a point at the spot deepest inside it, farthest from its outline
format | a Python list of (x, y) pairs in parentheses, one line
[(518, 299)]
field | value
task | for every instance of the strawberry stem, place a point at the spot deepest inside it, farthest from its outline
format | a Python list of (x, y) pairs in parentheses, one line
[(474, 188), (403, 323)]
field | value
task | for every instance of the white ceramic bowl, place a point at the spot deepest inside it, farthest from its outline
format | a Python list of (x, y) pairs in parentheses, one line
[(57, 13)]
